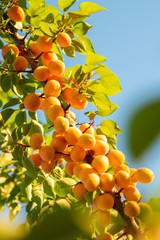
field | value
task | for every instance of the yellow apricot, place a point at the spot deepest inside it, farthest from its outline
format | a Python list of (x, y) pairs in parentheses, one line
[(105, 236), (87, 128), (63, 40), (68, 93), (100, 148), (16, 13), (85, 172), (7, 47), (100, 163), (36, 141), (94, 204), (144, 175), (92, 182), (133, 175), (50, 101), (61, 124), (69, 168), (35, 157), (122, 179), (131, 193), (101, 137), (55, 111), (105, 201), (41, 100), (44, 43), (32, 102), (103, 218), (72, 135), (59, 143), (56, 67), (116, 157), (35, 49), (132, 209), (47, 166), (20, 63), (107, 182), (47, 153), (86, 140), (60, 78), (122, 167), (72, 115), (41, 73), (66, 154), (78, 101), (79, 167), (77, 153), (47, 57), (52, 89), (79, 191)]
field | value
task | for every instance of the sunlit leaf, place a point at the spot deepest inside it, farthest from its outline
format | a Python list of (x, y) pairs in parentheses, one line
[(90, 7), (109, 127), (65, 5)]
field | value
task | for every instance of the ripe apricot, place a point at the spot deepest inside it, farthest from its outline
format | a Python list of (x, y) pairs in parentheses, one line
[(79, 167), (59, 143), (107, 182), (92, 182), (79, 191), (7, 47), (100, 163), (50, 101), (55, 111), (105, 236), (132, 209), (72, 115), (35, 49), (77, 153), (105, 201), (87, 128), (20, 63), (122, 167), (68, 93), (44, 43), (94, 204), (85, 173), (35, 157), (36, 141), (133, 175), (60, 161), (41, 73), (47, 57), (47, 153), (101, 137), (52, 89), (116, 157), (61, 124), (41, 100), (100, 148), (144, 175), (66, 154), (69, 168), (86, 140), (122, 179), (47, 166), (16, 13), (63, 40), (131, 193), (72, 135), (78, 101), (57, 156), (103, 218), (32, 102), (56, 67)]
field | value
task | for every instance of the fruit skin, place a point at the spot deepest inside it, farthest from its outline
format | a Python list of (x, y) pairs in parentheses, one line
[(105, 201), (69, 168), (72, 135), (16, 13), (56, 67), (44, 43), (41, 73), (92, 182), (103, 218), (35, 49), (36, 141), (101, 137), (47, 57), (54, 112), (20, 63), (107, 182), (100, 148), (59, 143), (87, 128), (63, 40), (79, 167), (86, 140), (7, 47), (122, 179), (49, 101), (105, 236), (78, 102), (68, 93), (85, 173), (52, 89), (122, 167), (47, 153), (132, 209), (100, 163), (144, 175), (131, 193), (35, 157), (32, 102), (61, 124), (79, 191), (47, 166), (116, 157), (77, 153)]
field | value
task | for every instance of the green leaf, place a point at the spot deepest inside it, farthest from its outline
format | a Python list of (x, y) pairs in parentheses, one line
[(77, 14), (10, 56), (37, 194), (88, 45), (1, 44), (63, 204), (6, 83), (69, 51), (65, 5), (63, 186), (6, 114), (36, 127), (22, 4), (14, 210), (12, 102), (109, 127), (93, 59), (90, 114), (90, 7), (40, 3), (28, 164), (80, 29), (78, 44), (26, 128), (5, 159), (48, 186), (103, 113), (20, 118), (101, 100)]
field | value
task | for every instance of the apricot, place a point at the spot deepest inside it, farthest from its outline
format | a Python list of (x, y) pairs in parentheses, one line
[(86, 140), (66, 154), (20, 63), (35, 157), (79, 167), (107, 182), (32, 102), (16, 13), (72, 135), (100, 163), (61, 124), (72, 115), (47, 153), (133, 175), (79, 191), (63, 40), (132, 209), (52, 89), (87, 128), (47, 166), (47, 57), (60, 78), (78, 102), (56, 67), (41, 100), (116, 157), (94, 204), (100, 148), (122, 179), (101, 137), (59, 143), (35, 49), (92, 182), (105, 201), (77, 153), (122, 167), (44, 43), (69, 168), (55, 111), (50, 101), (7, 47), (41, 73), (131, 193), (103, 218), (57, 156), (85, 173), (105, 236), (144, 175), (60, 161), (68, 93), (36, 141)]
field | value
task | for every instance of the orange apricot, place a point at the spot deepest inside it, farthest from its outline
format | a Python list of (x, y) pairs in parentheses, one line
[(100, 163), (105, 201), (55, 111), (41, 73), (105, 236), (50, 101), (16, 13), (122, 179), (100, 148), (78, 102), (72, 135), (66, 154), (63, 40), (59, 143), (32, 102), (116, 157), (41, 100), (61, 124), (68, 93), (20, 63), (44, 43), (7, 47), (85, 172), (69, 168), (133, 175), (86, 140), (47, 166), (131, 193), (103, 218), (77, 153), (144, 175), (122, 167), (47, 153), (57, 156), (107, 182), (101, 137), (52, 89), (35, 157), (35, 49), (56, 67), (94, 204), (92, 182), (87, 128), (79, 167), (79, 191), (47, 57), (60, 161), (36, 141), (132, 209)]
